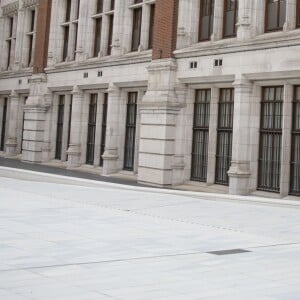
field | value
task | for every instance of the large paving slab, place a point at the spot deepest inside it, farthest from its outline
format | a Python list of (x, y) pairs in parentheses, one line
[(60, 241)]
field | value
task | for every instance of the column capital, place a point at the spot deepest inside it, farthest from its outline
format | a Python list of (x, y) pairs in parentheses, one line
[(14, 95), (77, 91)]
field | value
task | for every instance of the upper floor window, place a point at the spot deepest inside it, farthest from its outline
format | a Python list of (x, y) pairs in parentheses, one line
[(142, 28), (275, 14), (103, 28), (11, 40), (230, 18), (206, 22), (30, 37), (70, 29)]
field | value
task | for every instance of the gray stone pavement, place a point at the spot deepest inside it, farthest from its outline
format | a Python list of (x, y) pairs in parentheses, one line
[(60, 241)]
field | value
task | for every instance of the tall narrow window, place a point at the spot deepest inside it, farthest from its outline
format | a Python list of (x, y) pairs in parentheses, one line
[(59, 128), (112, 4), (151, 26), (66, 42), (9, 41), (3, 125), (275, 14), (206, 23), (230, 18), (70, 121), (130, 131), (110, 33), (200, 136), (103, 127), (295, 157), (97, 40), (30, 36), (68, 10), (136, 29), (224, 136), (99, 8), (23, 123), (90, 149), (270, 139), (298, 14)]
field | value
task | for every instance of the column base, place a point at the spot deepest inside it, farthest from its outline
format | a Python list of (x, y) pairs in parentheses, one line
[(11, 147), (110, 162), (74, 156), (239, 175)]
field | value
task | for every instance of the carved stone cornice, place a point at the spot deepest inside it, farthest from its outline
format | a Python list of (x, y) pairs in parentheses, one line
[(29, 3), (10, 9)]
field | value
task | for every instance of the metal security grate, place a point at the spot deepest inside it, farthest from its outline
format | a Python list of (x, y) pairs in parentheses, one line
[(200, 135), (59, 128), (3, 129), (224, 139), (130, 131), (104, 125), (270, 139), (229, 252), (90, 148), (295, 154)]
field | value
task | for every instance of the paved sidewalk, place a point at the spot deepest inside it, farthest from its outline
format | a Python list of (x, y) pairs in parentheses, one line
[(59, 241)]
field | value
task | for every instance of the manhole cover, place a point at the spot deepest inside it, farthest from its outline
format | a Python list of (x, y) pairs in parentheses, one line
[(228, 252)]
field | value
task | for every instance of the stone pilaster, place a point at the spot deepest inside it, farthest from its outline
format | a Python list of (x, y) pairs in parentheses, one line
[(244, 20), (111, 153), (240, 172), (286, 140), (74, 151), (36, 108), (48, 130), (12, 133), (159, 112)]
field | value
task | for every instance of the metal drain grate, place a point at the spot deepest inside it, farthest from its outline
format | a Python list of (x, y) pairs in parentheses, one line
[(228, 252)]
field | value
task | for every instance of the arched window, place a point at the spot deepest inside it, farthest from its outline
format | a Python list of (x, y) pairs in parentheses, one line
[(275, 15)]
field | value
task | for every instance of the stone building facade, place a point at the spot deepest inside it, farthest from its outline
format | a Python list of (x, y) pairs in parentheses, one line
[(205, 92)]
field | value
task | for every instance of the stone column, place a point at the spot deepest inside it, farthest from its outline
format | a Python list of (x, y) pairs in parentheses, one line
[(218, 20), (240, 172), (74, 151), (244, 20), (212, 140), (291, 12), (286, 140), (35, 111), (12, 132), (111, 153), (159, 112), (46, 149), (1, 115)]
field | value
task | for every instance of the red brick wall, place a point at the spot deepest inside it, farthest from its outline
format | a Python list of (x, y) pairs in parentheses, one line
[(165, 28), (42, 35)]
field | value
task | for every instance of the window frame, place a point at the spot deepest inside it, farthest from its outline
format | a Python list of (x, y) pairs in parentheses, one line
[(211, 16), (278, 28), (235, 19)]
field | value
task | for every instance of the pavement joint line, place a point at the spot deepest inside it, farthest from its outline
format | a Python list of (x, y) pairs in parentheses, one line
[(253, 200), (140, 258)]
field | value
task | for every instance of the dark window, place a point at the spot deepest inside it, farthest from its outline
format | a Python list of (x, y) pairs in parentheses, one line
[(200, 136), (70, 121), (9, 41), (110, 34), (137, 1), (99, 8), (32, 22), (103, 127), (275, 14), (75, 39), (97, 39), (77, 9), (3, 127), (30, 38), (295, 157), (136, 29), (90, 149), (151, 26), (130, 131), (60, 126), (112, 5), (68, 10), (298, 14), (270, 139), (66, 42), (206, 23), (224, 135), (230, 18), (22, 138)]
